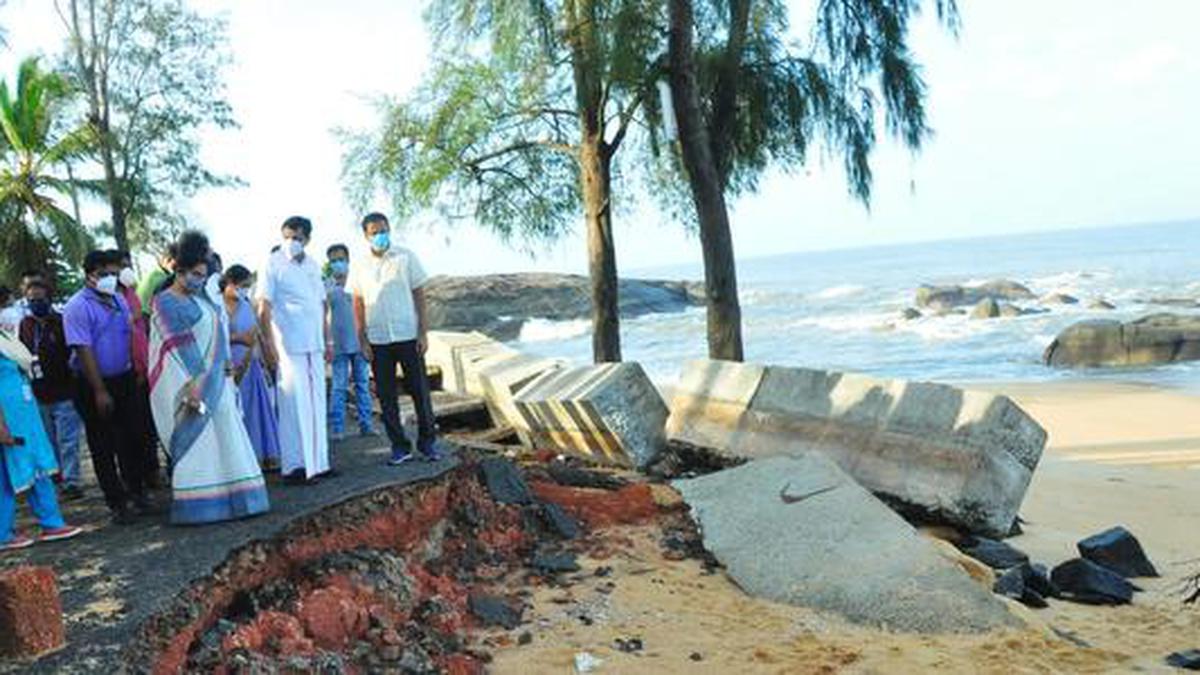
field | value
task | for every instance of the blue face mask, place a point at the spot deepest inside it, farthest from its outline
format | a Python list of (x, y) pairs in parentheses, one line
[(194, 284), (339, 267), (381, 241)]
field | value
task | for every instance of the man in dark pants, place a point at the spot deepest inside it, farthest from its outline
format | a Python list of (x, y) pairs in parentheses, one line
[(389, 313), (98, 328)]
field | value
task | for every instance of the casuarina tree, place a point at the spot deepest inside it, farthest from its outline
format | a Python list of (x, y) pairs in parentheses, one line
[(747, 98), (519, 125)]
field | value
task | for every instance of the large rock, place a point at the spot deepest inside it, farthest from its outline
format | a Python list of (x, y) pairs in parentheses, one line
[(1117, 549), (609, 413), (1150, 340), (499, 304), (945, 298), (986, 308), (502, 379), (799, 530), (937, 452)]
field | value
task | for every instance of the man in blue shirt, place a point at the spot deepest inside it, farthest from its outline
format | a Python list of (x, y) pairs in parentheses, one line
[(348, 359)]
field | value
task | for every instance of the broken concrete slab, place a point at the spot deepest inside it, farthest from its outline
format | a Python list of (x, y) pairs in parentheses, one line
[(460, 357), (936, 452), (799, 530), (609, 413), (501, 379)]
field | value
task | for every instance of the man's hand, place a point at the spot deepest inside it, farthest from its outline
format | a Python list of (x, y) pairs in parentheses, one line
[(367, 352), (422, 343), (104, 402)]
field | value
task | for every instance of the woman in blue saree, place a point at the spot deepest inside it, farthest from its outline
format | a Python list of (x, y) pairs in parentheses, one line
[(26, 456), (258, 410), (214, 473)]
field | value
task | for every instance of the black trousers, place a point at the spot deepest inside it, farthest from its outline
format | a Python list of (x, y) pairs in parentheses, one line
[(117, 442), (416, 383)]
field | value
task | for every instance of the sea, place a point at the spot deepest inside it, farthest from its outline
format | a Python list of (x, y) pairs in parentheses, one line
[(841, 309)]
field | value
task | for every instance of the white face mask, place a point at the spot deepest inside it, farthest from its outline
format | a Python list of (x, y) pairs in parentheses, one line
[(128, 279), (292, 248), (107, 285)]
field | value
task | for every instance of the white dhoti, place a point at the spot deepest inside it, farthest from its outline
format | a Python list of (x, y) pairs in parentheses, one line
[(301, 402)]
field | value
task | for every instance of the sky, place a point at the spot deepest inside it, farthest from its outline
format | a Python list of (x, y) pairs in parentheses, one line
[(1048, 115)]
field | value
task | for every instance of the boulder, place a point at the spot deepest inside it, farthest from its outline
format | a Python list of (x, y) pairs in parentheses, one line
[(1010, 311), (1150, 340), (1118, 550), (935, 452), (910, 314), (798, 530), (1101, 305), (609, 413), (1012, 584), (501, 379), (943, 298), (1086, 582), (499, 304), (987, 308), (1060, 299), (31, 618)]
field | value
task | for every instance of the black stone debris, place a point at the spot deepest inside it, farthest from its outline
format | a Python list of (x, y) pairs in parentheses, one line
[(1015, 584), (1118, 550), (1086, 582), (558, 521), (1186, 660), (504, 481), (494, 611), (995, 554), (548, 562)]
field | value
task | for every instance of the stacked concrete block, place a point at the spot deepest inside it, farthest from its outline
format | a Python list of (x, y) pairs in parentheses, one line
[(502, 379)]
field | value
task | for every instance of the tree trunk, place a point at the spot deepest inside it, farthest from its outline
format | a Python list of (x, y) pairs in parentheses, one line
[(708, 194), (113, 187), (595, 176)]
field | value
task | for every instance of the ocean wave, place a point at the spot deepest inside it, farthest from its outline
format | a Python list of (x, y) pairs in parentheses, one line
[(839, 292), (546, 330), (840, 323)]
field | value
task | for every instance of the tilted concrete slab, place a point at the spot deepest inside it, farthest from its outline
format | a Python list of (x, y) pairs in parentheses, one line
[(609, 413), (441, 351), (502, 380), (799, 530), (961, 456)]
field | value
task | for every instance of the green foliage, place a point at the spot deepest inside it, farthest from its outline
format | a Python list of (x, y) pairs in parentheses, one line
[(152, 75), (493, 133), (770, 100), (34, 228)]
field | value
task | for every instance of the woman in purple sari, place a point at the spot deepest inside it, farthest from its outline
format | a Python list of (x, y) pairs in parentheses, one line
[(248, 370), (214, 474)]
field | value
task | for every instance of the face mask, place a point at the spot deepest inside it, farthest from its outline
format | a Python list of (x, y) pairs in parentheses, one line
[(339, 267), (39, 308), (107, 284), (128, 279), (195, 284), (243, 293), (381, 242), (292, 248)]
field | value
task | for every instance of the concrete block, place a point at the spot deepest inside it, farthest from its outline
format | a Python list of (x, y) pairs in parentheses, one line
[(609, 413), (440, 353), (503, 379), (799, 530), (943, 453)]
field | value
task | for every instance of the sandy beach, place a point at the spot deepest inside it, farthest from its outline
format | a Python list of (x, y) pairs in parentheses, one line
[(1118, 454)]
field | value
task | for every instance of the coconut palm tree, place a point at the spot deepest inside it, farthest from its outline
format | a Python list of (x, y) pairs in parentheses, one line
[(34, 229)]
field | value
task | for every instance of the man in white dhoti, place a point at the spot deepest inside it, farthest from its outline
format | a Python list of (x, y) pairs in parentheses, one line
[(292, 306)]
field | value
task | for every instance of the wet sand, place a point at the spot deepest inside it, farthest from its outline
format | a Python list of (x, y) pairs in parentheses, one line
[(1118, 454)]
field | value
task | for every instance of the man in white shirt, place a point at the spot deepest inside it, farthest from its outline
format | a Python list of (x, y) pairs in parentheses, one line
[(292, 307), (389, 313)]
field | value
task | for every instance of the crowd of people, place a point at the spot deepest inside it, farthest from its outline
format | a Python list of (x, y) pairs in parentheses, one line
[(220, 371)]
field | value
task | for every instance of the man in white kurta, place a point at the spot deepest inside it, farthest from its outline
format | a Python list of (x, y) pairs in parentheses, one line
[(292, 303)]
